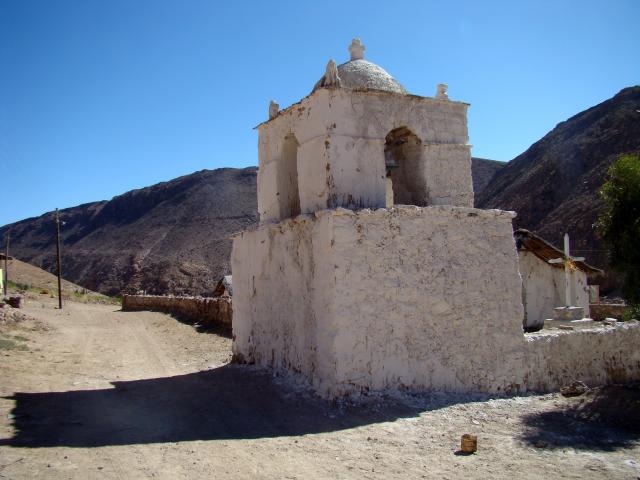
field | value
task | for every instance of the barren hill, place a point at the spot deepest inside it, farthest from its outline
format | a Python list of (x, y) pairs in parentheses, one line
[(553, 186), (172, 237), (483, 171), (27, 275)]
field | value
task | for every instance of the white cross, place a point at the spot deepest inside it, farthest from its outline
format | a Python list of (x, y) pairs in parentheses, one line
[(567, 260), (356, 49)]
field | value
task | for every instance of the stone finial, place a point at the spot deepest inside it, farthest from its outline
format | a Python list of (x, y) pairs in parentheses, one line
[(441, 92), (356, 49), (331, 77), (274, 108)]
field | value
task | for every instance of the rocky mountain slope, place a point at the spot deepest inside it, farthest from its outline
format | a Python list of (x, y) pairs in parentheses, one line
[(172, 237), (553, 186), (483, 171)]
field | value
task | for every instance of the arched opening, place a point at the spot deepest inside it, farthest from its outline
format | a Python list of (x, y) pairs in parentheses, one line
[(406, 183), (288, 196)]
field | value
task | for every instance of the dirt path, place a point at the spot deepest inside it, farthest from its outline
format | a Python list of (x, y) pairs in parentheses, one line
[(92, 392)]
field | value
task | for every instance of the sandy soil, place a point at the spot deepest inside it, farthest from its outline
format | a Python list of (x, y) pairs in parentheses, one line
[(92, 392)]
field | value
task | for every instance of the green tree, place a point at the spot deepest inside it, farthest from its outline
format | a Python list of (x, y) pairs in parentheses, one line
[(619, 224)]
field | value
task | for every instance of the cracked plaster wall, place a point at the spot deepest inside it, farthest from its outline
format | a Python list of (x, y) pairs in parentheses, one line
[(405, 298), (341, 135), (391, 298)]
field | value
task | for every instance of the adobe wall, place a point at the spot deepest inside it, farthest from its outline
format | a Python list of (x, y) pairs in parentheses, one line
[(406, 298), (391, 298), (340, 159), (419, 287), (204, 310), (283, 297)]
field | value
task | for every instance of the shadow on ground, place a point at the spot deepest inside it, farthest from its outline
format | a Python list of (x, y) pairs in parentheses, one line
[(229, 402), (605, 418), (241, 402)]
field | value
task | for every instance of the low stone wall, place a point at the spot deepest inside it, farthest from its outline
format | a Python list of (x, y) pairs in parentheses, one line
[(600, 311), (596, 356), (203, 310)]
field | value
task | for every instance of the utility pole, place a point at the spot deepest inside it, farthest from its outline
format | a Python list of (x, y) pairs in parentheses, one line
[(6, 262), (59, 267)]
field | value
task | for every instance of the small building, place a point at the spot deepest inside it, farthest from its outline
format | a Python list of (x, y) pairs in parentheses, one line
[(543, 283)]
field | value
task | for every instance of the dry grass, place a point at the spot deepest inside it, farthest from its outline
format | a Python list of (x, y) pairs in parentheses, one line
[(24, 277)]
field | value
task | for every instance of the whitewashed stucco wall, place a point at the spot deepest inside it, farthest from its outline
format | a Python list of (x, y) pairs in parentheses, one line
[(596, 356), (341, 136), (405, 298), (391, 298), (274, 322), (417, 288), (544, 288)]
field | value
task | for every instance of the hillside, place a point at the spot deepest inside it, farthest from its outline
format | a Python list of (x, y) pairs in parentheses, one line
[(25, 274), (172, 237), (483, 171), (553, 186)]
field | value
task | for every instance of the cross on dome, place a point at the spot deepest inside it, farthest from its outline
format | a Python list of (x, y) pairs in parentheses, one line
[(359, 74), (356, 49)]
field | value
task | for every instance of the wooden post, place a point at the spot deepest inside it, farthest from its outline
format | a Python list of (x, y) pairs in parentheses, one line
[(59, 267), (6, 262)]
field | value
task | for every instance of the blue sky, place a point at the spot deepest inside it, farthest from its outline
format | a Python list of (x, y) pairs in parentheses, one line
[(100, 97)]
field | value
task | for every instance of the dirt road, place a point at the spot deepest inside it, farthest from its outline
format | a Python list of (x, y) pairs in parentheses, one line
[(92, 392)]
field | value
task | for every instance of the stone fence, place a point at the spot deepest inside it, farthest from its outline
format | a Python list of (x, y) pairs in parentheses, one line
[(216, 311)]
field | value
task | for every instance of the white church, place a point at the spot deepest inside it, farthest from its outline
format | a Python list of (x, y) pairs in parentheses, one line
[(371, 270)]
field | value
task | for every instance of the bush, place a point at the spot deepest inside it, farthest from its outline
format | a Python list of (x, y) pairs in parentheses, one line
[(18, 285), (619, 224)]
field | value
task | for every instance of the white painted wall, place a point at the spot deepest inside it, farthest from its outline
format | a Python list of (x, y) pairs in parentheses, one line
[(405, 298), (416, 289), (392, 298), (544, 288), (274, 276), (596, 356), (341, 135)]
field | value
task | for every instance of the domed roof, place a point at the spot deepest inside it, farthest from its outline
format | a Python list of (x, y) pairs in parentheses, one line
[(360, 74)]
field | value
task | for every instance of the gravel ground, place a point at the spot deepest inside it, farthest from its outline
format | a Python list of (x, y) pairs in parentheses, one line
[(93, 392)]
